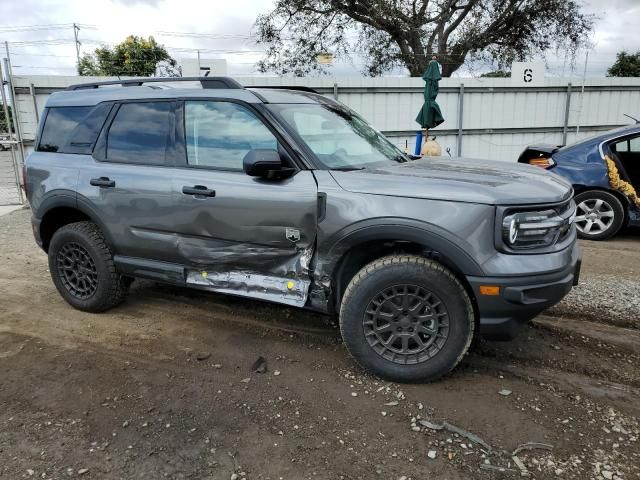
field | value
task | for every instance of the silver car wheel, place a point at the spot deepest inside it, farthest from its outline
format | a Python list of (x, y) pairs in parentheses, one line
[(594, 216)]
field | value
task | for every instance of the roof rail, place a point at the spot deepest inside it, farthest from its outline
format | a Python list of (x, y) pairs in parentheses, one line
[(286, 87), (206, 82)]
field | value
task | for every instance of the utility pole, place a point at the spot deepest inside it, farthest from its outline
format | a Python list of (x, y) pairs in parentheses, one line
[(76, 29), (12, 142), (12, 96), (584, 80), (5, 105)]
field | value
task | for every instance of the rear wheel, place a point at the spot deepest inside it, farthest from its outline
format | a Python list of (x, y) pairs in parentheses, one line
[(599, 215), (82, 268), (406, 318)]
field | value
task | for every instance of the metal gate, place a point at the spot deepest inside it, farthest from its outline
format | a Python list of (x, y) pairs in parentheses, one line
[(10, 193)]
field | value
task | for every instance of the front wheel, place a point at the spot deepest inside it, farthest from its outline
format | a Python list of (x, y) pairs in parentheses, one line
[(599, 215), (406, 318)]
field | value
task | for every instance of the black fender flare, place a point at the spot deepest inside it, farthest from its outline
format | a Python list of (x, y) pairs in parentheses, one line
[(430, 236), (55, 199), (68, 199), (331, 252)]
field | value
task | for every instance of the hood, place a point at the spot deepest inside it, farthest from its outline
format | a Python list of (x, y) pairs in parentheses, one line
[(459, 180)]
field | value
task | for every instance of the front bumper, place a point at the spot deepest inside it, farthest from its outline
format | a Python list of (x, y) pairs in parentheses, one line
[(521, 298)]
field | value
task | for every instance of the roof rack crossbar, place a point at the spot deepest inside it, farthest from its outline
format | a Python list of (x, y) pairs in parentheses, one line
[(206, 82)]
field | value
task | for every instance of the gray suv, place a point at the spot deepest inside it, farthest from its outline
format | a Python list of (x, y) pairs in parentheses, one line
[(287, 196)]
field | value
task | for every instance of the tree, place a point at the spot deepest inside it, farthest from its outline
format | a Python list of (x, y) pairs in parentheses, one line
[(405, 33), (497, 74), (135, 57), (4, 121), (626, 65)]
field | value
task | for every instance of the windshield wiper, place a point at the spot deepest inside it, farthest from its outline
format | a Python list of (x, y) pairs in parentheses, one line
[(347, 169), (401, 158)]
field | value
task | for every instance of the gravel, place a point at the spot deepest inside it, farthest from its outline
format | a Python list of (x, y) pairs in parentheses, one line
[(605, 298)]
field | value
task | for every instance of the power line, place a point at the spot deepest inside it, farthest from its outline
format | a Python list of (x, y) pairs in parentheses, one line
[(29, 43), (13, 54), (52, 26), (217, 36)]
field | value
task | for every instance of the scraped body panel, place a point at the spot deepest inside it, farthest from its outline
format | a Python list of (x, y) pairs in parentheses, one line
[(254, 238), (253, 285)]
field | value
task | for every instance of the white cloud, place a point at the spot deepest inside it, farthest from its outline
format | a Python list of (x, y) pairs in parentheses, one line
[(114, 19)]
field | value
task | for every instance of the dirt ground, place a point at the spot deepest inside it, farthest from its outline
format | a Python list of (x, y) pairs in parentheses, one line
[(162, 387)]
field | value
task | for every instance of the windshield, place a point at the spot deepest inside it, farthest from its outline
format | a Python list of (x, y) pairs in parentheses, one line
[(339, 138)]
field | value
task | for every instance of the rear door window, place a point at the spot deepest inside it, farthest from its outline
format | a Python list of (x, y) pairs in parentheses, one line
[(140, 133), (59, 123)]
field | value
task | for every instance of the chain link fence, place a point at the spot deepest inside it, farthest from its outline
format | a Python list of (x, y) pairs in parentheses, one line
[(10, 193)]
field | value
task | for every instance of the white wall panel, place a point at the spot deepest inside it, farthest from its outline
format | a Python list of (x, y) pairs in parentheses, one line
[(498, 122)]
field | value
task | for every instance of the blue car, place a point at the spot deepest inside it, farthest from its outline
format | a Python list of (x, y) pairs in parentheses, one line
[(605, 173)]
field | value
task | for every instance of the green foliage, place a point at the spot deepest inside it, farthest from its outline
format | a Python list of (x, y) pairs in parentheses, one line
[(135, 57), (3, 120), (389, 34), (626, 65), (497, 74)]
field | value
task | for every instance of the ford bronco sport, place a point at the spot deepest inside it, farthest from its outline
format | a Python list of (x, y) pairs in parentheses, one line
[(288, 196)]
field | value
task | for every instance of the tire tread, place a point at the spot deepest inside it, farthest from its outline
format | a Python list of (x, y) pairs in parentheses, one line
[(407, 259)]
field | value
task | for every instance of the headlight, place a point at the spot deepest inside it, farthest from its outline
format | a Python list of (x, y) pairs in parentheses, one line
[(513, 231), (536, 229)]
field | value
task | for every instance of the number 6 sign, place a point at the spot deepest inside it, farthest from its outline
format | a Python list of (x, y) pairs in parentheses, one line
[(527, 74)]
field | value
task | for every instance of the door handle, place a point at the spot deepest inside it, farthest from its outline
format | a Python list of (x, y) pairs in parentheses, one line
[(199, 190), (103, 182)]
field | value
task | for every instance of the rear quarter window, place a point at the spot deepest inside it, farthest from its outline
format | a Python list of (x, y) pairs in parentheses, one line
[(58, 124), (73, 129)]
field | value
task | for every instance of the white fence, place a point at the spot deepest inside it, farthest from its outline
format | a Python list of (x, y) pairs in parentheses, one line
[(484, 118), (9, 183)]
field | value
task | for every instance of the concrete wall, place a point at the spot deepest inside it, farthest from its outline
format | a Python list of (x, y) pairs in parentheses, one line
[(498, 121)]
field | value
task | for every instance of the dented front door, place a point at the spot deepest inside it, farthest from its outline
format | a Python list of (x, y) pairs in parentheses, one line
[(244, 235)]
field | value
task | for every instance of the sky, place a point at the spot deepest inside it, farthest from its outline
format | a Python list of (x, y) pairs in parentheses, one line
[(223, 29)]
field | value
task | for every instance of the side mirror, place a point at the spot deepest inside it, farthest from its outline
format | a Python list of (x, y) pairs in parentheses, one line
[(263, 163)]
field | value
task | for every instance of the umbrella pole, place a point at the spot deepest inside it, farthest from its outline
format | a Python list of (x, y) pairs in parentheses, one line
[(418, 146)]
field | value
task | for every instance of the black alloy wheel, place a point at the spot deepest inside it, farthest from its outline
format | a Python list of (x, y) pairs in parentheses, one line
[(77, 270), (406, 324)]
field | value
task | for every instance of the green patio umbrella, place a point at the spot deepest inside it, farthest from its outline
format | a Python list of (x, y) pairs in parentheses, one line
[(430, 115)]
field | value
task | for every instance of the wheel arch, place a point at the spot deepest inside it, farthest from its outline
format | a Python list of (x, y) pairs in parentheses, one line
[(364, 245), (61, 210)]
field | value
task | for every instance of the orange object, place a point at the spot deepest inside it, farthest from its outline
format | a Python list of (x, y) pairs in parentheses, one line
[(540, 162), (492, 290)]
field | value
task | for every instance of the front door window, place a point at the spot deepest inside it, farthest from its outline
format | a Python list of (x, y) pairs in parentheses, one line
[(220, 134)]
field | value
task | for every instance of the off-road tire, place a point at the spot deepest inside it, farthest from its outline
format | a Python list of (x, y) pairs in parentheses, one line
[(616, 208), (385, 273), (110, 288)]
